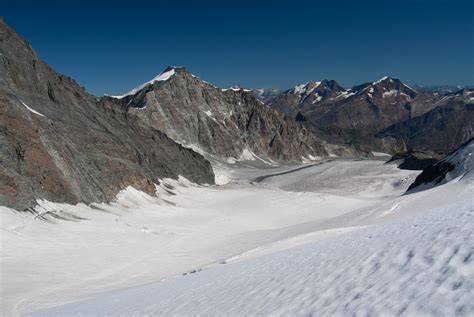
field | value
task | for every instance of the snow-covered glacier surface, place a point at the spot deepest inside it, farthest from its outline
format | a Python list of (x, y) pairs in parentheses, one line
[(412, 266), (335, 238)]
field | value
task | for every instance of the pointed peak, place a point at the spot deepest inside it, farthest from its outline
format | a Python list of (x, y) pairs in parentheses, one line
[(393, 82), (385, 87), (386, 79), (331, 84), (305, 88), (163, 76), (176, 69), (323, 87)]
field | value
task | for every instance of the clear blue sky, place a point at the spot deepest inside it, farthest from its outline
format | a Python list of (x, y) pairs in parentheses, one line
[(112, 46)]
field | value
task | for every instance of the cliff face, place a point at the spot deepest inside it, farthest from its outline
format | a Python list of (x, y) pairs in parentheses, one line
[(222, 122), (58, 143)]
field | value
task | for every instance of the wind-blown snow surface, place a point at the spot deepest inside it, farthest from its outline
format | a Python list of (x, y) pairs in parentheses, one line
[(360, 247), (416, 265)]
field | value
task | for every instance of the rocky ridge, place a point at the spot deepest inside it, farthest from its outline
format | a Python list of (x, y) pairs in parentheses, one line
[(458, 164), (58, 143), (229, 123)]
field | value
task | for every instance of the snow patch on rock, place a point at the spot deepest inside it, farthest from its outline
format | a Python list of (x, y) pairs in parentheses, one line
[(161, 77), (32, 110), (390, 93)]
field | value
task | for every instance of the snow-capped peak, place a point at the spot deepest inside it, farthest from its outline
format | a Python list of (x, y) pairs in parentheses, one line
[(236, 88), (388, 86), (384, 78), (165, 75), (299, 89), (306, 88), (391, 80)]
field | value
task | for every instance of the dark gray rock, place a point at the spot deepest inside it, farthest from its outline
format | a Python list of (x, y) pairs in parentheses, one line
[(415, 161), (221, 122), (58, 143), (458, 164)]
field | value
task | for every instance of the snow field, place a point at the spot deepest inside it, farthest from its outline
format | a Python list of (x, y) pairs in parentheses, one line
[(139, 239), (420, 265)]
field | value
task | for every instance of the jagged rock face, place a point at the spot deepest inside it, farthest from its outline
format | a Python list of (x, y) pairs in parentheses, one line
[(356, 117), (57, 143), (303, 98), (222, 122)]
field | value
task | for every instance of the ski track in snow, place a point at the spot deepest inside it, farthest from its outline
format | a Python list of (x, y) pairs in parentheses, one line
[(330, 239)]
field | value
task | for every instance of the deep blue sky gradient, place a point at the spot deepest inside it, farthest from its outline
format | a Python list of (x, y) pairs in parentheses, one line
[(112, 46)]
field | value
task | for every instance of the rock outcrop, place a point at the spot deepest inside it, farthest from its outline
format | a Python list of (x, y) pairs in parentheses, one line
[(58, 143), (228, 123), (415, 161), (458, 164)]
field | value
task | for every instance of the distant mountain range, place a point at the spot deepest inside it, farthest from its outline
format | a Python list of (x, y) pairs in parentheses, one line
[(443, 88), (59, 143), (267, 93), (386, 115)]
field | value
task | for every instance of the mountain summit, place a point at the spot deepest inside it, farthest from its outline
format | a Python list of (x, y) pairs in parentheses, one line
[(226, 123), (57, 143), (386, 87), (304, 97), (163, 76)]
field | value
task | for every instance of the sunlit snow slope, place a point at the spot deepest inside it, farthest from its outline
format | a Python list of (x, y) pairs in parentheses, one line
[(333, 237), (415, 265)]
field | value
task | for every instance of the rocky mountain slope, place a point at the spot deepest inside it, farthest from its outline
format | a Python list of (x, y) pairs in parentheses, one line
[(229, 123), (57, 143), (442, 129), (302, 98), (385, 115)]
